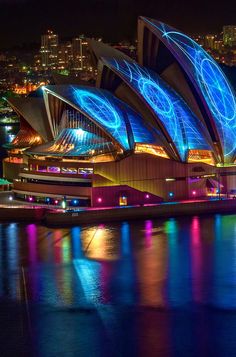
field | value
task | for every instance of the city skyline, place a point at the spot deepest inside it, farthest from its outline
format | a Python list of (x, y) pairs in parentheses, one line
[(26, 20)]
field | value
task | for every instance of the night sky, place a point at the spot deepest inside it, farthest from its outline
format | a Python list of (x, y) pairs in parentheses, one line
[(22, 21)]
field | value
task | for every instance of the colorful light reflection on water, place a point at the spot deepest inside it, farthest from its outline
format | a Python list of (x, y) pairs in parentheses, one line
[(184, 258), (180, 269)]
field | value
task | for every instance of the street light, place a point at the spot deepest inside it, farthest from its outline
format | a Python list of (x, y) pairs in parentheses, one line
[(64, 203)]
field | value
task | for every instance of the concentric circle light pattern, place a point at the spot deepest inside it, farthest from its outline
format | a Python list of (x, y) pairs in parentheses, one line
[(99, 108), (102, 110), (183, 128), (212, 83), (112, 114)]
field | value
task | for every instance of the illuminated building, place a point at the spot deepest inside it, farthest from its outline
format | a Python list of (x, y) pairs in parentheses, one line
[(229, 35), (161, 128), (49, 49), (65, 57), (70, 55), (80, 53), (24, 89), (218, 45), (209, 41)]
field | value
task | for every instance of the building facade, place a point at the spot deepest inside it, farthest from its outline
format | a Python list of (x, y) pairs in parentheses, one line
[(49, 50), (229, 35)]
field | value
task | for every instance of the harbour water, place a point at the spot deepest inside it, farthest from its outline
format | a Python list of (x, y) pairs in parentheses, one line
[(147, 288)]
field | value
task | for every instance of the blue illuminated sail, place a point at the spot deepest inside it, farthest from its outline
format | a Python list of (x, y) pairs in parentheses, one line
[(112, 114), (209, 80), (182, 126)]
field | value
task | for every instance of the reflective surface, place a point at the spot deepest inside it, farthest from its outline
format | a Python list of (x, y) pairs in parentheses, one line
[(148, 288)]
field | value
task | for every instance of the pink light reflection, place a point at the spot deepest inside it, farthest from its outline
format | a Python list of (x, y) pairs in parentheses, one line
[(148, 233), (31, 230), (196, 258), (58, 236), (32, 240)]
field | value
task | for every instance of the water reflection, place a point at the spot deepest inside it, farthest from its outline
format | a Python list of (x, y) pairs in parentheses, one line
[(224, 263), (171, 265), (168, 263), (196, 255)]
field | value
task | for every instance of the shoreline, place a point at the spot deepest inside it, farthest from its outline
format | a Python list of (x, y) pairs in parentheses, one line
[(56, 218)]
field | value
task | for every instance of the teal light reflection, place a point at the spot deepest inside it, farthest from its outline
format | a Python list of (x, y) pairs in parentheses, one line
[(125, 239), (88, 272), (13, 258), (125, 283), (224, 262), (179, 271), (77, 249)]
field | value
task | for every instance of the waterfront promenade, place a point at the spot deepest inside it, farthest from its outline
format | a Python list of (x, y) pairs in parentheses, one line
[(17, 211)]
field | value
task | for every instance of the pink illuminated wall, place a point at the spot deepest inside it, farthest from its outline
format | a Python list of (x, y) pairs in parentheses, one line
[(109, 196)]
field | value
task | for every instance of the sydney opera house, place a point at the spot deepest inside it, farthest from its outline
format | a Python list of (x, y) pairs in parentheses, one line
[(162, 128)]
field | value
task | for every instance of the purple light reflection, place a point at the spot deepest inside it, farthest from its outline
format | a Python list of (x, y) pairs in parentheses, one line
[(31, 230), (32, 240), (196, 258), (148, 233)]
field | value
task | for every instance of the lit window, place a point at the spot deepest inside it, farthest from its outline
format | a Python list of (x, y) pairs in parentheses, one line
[(68, 170), (86, 170), (53, 169), (201, 156), (150, 149), (123, 200)]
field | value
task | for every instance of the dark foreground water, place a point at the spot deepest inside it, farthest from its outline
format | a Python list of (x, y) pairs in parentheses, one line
[(148, 288)]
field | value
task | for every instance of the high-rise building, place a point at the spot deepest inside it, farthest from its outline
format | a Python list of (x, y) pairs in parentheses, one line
[(218, 45), (49, 49), (229, 35), (209, 41), (80, 53), (65, 58)]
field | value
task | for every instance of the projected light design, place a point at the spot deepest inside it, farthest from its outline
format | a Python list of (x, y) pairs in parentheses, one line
[(183, 128), (114, 115), (76, 142), (210, 80), (100, 108), (104, 112)]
